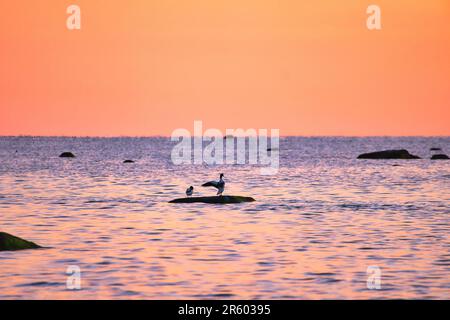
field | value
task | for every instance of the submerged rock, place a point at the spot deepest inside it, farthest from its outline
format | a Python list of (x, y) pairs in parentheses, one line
[(215, 199), (435, 149), (128, 161), (388, 154), (439, 157), (67, 155), (9, 242)]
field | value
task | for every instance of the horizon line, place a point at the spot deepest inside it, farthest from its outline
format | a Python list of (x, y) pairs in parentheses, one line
[(168, 136)]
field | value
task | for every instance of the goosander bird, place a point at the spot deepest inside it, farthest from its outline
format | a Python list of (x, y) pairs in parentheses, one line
[(219, 185), (190, 191)]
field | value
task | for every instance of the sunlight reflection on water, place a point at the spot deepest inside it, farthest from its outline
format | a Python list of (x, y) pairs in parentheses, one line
[(315, 228)]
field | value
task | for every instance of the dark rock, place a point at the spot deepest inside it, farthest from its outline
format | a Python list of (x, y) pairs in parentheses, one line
[(215, 199), (439, 157), (128, 161), (435, 149), (388, 154), (9, 243), (67, 155)]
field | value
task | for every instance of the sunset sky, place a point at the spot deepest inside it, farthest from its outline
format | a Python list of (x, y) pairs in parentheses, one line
[(143, 67)]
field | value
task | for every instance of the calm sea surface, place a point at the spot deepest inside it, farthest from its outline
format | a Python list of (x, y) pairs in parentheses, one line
[(314, 230)]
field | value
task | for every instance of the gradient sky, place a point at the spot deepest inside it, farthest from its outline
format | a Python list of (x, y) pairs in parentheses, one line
[(143, 67)]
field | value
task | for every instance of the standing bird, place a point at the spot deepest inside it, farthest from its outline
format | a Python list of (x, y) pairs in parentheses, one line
[(189, 191), (219, 185)]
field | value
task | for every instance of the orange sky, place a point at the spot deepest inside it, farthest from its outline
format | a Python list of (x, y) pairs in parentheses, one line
[(143, 67)]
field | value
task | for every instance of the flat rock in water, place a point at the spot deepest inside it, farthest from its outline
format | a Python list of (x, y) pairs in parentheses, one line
[(128, 161), (388, 154), (435, 149), (9, 242), (215, 199), (439, 157), (67, 155)]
